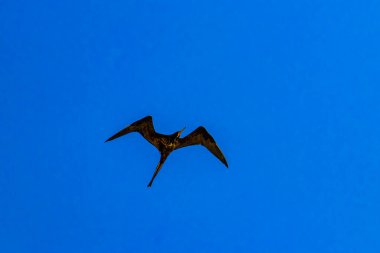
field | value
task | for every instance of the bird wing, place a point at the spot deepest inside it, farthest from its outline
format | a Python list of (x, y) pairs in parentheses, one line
[(200, 136), (144, 126)]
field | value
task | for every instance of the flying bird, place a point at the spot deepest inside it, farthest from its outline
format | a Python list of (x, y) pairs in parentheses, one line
[(168, 143)]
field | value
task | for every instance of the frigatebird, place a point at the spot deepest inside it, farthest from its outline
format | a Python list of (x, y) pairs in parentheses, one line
[(168, 143)]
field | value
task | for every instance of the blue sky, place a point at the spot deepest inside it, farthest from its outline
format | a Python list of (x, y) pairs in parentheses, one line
[(289, 90)]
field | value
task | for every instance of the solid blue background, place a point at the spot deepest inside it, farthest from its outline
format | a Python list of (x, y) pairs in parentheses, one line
[(289, 90)]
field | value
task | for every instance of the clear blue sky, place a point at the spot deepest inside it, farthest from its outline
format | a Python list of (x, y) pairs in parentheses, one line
[(289, 89)]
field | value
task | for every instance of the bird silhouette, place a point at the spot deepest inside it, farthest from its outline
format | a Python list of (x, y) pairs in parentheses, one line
[(168, 143)]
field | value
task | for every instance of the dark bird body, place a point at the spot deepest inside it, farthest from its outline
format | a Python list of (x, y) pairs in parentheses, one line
[(168, 143)]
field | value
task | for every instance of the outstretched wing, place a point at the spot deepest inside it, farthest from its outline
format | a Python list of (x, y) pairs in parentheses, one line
[(200, 136), (144, 126)]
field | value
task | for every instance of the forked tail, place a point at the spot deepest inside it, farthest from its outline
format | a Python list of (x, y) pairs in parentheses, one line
[(158, 168)]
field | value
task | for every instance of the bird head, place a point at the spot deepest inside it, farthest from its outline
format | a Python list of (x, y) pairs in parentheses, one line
[(180, 132)]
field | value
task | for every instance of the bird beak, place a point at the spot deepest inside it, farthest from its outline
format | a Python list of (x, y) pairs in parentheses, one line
[(180, 132)]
